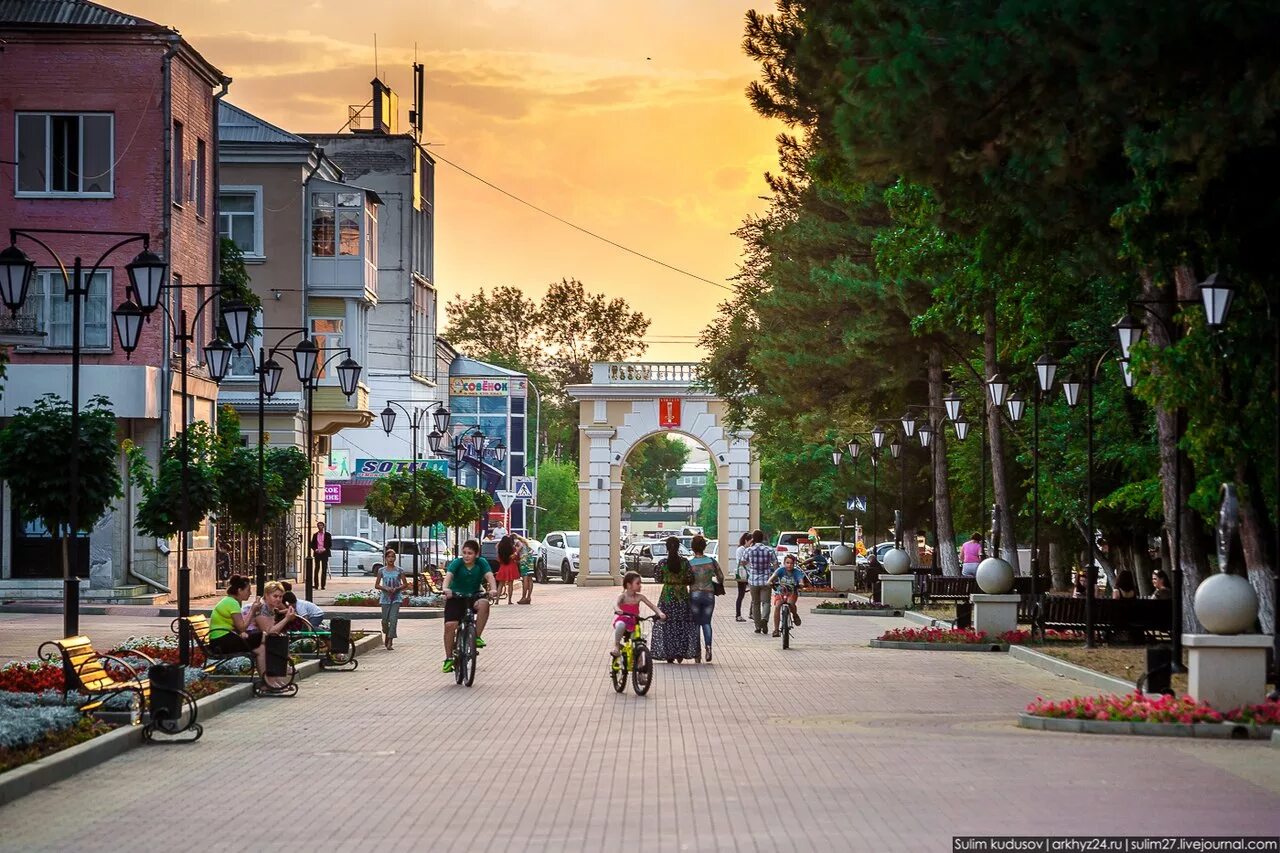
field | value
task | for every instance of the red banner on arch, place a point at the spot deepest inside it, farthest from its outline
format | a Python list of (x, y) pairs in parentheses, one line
[(669, 412)]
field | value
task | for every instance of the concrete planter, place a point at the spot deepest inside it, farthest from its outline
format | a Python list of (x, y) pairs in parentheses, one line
[(828, 611), (842, 577), (808, 593), (1215, 731), (940, 647)]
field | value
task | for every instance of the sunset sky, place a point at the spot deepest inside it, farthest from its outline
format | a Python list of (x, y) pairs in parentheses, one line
[(556, 101)]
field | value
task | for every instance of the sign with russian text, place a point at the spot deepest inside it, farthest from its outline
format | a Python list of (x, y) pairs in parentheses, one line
[(372, 469), (486, 386), (333, 493), (669, 412)]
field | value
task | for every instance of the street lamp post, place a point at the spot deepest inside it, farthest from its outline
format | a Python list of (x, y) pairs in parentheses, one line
[(348, 371), (146, 274), (1046, 369), (417, 416), (128, 319)]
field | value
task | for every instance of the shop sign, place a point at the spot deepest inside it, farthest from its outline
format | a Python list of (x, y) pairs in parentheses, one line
[(372, 469), (482, 386)]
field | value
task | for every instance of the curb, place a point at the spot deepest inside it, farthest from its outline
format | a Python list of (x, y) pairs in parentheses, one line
[(995, 646), (63, 765), (927, 621), (812, 594), (832, 611), (1208, 731), (1070, 670)]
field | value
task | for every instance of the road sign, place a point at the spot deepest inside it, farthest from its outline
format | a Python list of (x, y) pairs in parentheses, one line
[(856, 504), (525, 488), (506, 497)]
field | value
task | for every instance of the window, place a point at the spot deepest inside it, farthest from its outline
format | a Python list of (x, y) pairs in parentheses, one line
[(327, 333), (65, 153), (350, 213), (201, 185), (175, 156), (50, 310), (240, 218), (323, 233)]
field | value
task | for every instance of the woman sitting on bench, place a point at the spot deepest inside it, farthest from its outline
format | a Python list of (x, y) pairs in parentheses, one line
[(230, 632)]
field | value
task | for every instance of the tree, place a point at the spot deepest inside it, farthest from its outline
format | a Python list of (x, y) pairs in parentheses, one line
[(160, 510), (424, 497), (467, 507), (649, 469), (283, 482), (35, 462), (557, 495), (708, 510), (234, 278)]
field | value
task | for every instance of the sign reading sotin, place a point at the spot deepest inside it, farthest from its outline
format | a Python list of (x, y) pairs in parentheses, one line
[(372, 469), (486, 386)]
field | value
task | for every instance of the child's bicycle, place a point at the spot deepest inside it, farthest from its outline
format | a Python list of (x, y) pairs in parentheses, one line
[(635, 658), (786, 613)]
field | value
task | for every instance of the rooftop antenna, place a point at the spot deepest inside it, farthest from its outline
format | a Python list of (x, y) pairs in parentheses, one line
[(375, 54)]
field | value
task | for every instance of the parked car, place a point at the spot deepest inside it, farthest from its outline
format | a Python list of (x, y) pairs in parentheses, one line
[(639, 557), (354, 555), (434, 553), (789, 542), (713, 549), (561, 554), (881, 549), (540, 556)]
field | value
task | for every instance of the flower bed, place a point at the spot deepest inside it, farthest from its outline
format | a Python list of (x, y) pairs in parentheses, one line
[(370, 598), (30, 676), (1138, 708), (83, 729), (931, 639), (853, 605), (1022, 637)]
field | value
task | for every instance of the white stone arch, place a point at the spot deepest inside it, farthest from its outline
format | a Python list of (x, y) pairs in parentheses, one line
[(620, 409)]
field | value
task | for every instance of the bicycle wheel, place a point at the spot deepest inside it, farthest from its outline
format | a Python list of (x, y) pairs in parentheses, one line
[(469, 652), (618, 671), (460, 659), (786, 626), (642, 671)]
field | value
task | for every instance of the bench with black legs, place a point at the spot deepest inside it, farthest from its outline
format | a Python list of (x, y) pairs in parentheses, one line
[(1135, 620), (84, 671), (958, 589), (334, 647), (199, 633)]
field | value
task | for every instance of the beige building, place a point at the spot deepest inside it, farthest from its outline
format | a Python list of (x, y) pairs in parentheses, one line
[(310, 246)]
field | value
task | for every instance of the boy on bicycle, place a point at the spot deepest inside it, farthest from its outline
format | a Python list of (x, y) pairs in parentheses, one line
[(463, 579), (786, 583)]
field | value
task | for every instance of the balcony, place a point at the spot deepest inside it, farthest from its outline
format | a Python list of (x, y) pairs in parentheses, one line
[(647, 372)]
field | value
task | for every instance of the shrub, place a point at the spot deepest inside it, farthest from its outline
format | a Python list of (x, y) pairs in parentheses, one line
[(935, 635)]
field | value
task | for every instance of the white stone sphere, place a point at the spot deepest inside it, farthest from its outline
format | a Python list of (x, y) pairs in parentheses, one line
[(995, 576), (897, 561), (1226, 604), (842, 555)]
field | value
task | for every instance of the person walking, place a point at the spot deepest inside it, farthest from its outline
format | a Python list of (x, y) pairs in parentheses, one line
[(528, 557), (390, 583), (676, 638), (321, 546), (761, 562), (706, 580), (508, 566), (741, 574), (970, 553)]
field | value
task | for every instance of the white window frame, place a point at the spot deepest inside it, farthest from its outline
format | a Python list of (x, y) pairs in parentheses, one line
[(259, 249), (48, 155), (44, 291), (329, 372)]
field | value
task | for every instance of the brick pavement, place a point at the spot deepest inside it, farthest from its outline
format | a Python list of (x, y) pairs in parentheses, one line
[(830, 746)]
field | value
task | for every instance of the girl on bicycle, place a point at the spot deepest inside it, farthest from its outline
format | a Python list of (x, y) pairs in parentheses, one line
[(627, 609)]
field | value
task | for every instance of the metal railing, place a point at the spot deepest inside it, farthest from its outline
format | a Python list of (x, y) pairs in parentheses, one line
[(623, 372)]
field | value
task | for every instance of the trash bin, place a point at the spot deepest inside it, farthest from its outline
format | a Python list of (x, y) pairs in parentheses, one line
[(277, 655), (339, 635), (166, 699), (1159, 670), (964, 614)]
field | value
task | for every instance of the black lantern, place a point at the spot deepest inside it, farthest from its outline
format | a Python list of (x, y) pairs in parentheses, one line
[(146, 274), (348, 375), (304, 359), (1126, 370), (836, 456), (271, 372), (926, 435), (1216, 293), (895, 449), (388, 419), (128, 318), (441, 417), (499, 452), (460, 450), (236, 315), (217, 359), (16, 270), (1046, 369), (1016, 405), (998, 387), (877, 437), (1129, 331), (962, 428), (435, 439), (952, 403), (855, 450), (1071, 388)]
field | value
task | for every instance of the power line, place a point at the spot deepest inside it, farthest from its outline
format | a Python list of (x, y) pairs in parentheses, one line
[(577, 227)]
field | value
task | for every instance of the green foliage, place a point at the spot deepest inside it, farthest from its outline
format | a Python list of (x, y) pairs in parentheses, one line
[(646, 476), (468, 506), (234, 277), (425, 497), (160, 510), (557, 495), (248, 501), (35, 462), (708, 507)]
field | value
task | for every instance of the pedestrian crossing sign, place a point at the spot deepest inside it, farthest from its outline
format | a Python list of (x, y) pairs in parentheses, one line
[(524, 487)]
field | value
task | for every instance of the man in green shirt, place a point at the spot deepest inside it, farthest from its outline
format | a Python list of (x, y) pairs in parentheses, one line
[(463, 579)]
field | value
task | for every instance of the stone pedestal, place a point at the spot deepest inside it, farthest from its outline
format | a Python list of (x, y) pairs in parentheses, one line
[(995, 614), (1227, 670), (842, 578), (895, 590)]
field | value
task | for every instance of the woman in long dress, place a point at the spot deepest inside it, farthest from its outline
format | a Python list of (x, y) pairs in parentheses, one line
[(678, 637)]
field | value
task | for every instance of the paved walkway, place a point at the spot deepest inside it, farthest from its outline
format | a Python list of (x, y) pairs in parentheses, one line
[(830, 746)]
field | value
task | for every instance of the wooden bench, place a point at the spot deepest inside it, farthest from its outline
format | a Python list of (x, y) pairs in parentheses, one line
[(958, 589), (1142, 619), (198, 627), (302, 629), (84, 671)]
